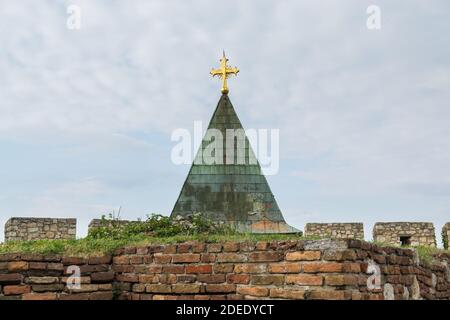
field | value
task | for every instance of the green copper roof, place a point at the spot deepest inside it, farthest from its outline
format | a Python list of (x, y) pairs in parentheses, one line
[(231, 190)]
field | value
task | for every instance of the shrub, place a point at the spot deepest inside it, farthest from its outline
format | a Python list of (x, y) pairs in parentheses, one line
[(157, 225)]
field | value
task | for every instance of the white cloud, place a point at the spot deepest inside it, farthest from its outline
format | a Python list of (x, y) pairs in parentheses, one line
[(360, 112)]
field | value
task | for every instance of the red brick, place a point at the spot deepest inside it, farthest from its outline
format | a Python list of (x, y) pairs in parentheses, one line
[(186, 258), (42, 280), (265, 256), (15, 290), (341, 280), (253, 291), (277, 280), (121, 260), (211, 278), (323, 294), (250, 268), (247, 246), (73, 261), (184, 248), (167, 278), (303, 255), (158, 288), (214, 247), (304, 279), (31, 257), (223, 268), (199, 268), (173, 269), (282, 293), (15, 266), (231, 257), (170, 249), (285, 267), (129, 250), (154, 269), (325, 267), (138, 287), (76, 296), (339, 255), (198, 247), (231, 246), (261, 245), (37, 265), (101, 277), (208, 257), (136, 259), (11, 278), (222, 288), (164, 297), (350, 267), (148, 278), (105, 287), (162, 258), (40, 296), (127, 277), (104, 295), (186, 278), (106, 259), (141, 250), (185, 288), (55, 266), (238, 278)]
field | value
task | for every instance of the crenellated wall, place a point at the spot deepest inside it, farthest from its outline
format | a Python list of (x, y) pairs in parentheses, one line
[(419, 233), (307, 269), (40, 228), (335, 230), (446, 234)]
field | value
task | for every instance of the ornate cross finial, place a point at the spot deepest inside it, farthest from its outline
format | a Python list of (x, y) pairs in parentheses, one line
[(224, 72)]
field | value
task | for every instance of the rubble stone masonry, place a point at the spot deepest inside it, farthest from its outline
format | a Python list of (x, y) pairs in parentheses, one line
[(335, 230), (40, 228), (412, 233), (301, 269), (446, 234)]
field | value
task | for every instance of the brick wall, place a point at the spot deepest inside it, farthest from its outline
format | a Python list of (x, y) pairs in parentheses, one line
[(335, 230), (326, 269), (40, 228), (420, 233), (44, 277), (309, 269)]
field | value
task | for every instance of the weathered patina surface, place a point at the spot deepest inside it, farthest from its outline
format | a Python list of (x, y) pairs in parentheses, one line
[(236, 193)]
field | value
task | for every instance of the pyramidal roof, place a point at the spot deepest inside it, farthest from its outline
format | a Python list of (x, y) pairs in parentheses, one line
[(232, 188)]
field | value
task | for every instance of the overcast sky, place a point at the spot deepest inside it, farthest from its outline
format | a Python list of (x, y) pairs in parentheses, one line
[(86, 115)]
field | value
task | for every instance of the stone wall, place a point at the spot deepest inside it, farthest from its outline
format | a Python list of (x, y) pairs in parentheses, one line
[(446, 234), (95, 223), (335, 230), (40, 228), (414, 233), (306, 269), (45, 277)]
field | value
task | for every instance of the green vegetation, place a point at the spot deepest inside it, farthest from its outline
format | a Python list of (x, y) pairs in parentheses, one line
[(426, 254), (113, 234)]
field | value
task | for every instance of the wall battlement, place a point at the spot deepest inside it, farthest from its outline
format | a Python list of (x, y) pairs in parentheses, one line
[(392, 233), (405, 233), (40, 228), (335, 230)]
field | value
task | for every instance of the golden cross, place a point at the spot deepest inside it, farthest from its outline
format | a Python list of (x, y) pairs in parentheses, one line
[(224, 72)]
